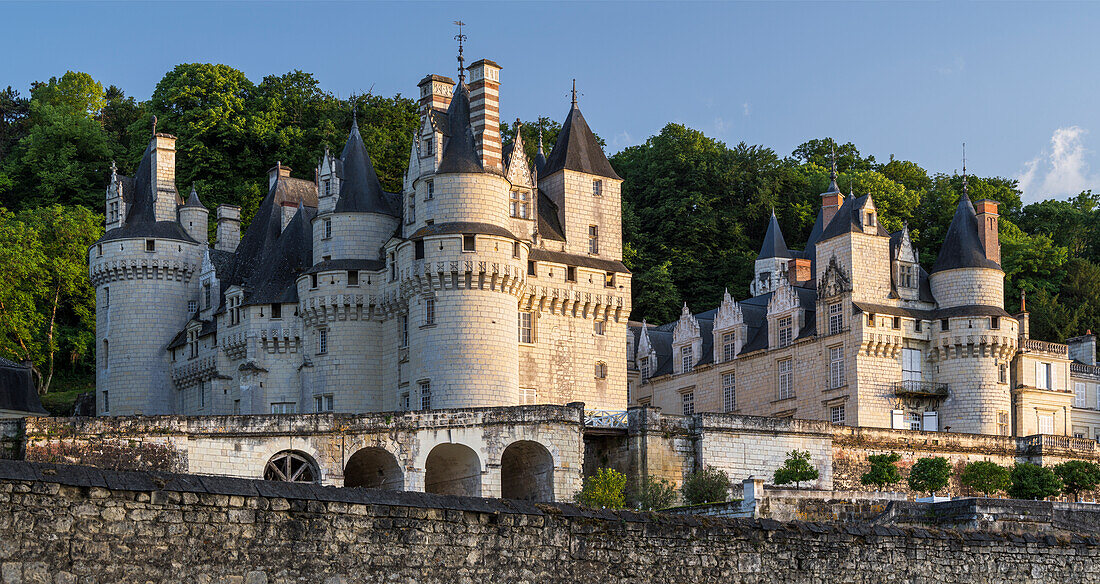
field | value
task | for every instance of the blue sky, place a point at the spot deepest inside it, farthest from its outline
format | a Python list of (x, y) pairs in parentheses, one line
[(1017, 82)]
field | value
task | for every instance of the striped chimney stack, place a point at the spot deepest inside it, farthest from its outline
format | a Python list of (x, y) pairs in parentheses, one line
[(435, 93), (485, 111)]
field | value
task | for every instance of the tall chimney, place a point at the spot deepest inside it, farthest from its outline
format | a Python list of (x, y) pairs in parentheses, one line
[(276, 172), (229, 227), (987, 228), (164, 176), (435, 93), (485, 110)]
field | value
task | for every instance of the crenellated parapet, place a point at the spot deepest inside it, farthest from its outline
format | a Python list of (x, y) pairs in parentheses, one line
[(317, 309), (192, 371), (141, 268), (423, 276), (984, 345), (573, 303)]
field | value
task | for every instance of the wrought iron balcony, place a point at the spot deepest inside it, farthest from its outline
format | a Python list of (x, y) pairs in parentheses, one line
[(912, 388)]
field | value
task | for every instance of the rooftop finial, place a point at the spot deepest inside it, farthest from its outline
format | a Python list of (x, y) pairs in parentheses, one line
[(154, 125), (114, 168), (574, 92), (540, 138), (966, 189), (832, 147), (461, 38)]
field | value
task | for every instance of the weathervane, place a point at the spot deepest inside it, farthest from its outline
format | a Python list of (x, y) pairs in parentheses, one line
[(832, 147), (965, 186), (574, 92), (461, 38)]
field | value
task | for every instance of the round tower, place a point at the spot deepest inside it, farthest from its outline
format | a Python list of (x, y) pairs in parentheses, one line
[(973, 339), (143, 277), (194, 217)]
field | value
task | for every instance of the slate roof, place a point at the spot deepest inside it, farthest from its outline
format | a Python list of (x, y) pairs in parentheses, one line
[(460, 152), (347, 264), (848, 220), (141, 218), (283, 262), (577, 149), (360, 191), (17, 391), (193, 199), (550, 222), (261, 235), (540, 158), (572, 259), (462, 227), (962, 247), (774, 245)]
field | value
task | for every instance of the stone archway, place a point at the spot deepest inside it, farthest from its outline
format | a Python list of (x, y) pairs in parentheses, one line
[(453, 469), (292, 466), (374, 468), (527, 472)]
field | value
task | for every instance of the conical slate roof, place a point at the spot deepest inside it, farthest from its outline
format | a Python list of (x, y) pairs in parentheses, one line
[(260, 237), (540, 158), (142, 205), (360, 191), (774, 246), (460, 153), (962, 247), (290, 255), (193, 199), (577, 149)]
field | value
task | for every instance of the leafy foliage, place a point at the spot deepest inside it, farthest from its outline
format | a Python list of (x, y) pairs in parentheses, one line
[(604, 489), (1078, 476), (796, 469), (709, 485), (1031, 481), (929, 475), (654, 494), (985, 476), (883, 472)]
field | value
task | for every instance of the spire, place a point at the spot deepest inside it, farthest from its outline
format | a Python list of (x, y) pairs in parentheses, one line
[(360, 190), (578, 149), (774, 245), (460, 153), (833, 188), (154, 125), (540, 157), (574, 92), (114, 167), (461, 38), (141, 208), (966, 188), (193, 198), (962, 246)]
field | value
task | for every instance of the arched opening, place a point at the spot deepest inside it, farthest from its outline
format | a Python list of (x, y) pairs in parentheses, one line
[(374, 468), (292, 466), (453, 469), (527, 472)]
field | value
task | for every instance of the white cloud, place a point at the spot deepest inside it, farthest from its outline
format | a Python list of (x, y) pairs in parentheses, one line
[(622, 140), (1062, 171), (745, 108), (956, 66), (719, 124)]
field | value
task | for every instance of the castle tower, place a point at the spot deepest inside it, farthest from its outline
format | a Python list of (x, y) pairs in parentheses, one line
[(143, 273), (194, 217), (772, 261), (974, 340)]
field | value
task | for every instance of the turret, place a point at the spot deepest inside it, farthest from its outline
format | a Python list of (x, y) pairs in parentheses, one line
[(964, 273), (229, 227), (194, 217), (772, 262)]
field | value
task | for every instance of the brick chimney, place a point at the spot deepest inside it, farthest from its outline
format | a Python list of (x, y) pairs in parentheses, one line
[(276, 172), (435, 93), (830, 203), (798, 271), (987, 228), (163, 161), (485, 110), (229, 227)]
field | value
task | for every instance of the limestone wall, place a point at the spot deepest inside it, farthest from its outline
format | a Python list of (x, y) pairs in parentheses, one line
[(66, 524)]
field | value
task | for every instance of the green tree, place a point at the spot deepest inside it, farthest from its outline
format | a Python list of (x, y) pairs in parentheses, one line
[(795, 469), (14, 111), (883, 472), (819, 151), (654, 494), (47, 305), (1078, 476), (1031, 481), (75, 91), (709, 485), (985, 476), (929, 475), (550, 130), (604, 489)]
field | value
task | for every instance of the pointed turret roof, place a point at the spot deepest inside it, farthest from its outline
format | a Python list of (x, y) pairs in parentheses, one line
[(291, 254), (260, 236), (577, 149), (460, 153), (847, 219), (193, 199), (360, 191), (540, 158), (962, 246), (142, 209), (774, 245)]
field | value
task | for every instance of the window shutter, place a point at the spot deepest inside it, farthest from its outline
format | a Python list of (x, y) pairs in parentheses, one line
[(897, 419), (931, 422)]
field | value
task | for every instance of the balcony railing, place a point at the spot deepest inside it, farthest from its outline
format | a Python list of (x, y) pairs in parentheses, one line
[(610, 419), (1047, 442), (1082, 369), (911, 388), (1046, 347)]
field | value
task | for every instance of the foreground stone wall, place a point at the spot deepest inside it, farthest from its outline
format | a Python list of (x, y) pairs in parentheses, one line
[(63, 524)]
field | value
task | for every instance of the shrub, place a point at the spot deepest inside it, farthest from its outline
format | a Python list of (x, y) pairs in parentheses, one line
[(709, 485), (985, 476), (604, 489), (1078, 476), (929, 475), (795, 469), (1031, 481), (654, 494), (883, 472)]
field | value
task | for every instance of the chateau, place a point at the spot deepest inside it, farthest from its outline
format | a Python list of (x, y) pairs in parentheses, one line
[(853, 331), (490, 280)]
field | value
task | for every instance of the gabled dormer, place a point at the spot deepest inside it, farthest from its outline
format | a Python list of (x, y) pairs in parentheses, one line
[(730, 330), (834, 297), (785, 316), (209, 288), (905, 267), (328, 182), (646, 356), (687, 343), (772, 261)]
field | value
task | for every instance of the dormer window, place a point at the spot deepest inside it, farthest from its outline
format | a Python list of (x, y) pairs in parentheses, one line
[(905, 276), (428, 143), (786, 331), (519, 204), (206, 289), (643, 367), (870, 219), (728, 346), (276, 311), (836, 318), (687, 359)]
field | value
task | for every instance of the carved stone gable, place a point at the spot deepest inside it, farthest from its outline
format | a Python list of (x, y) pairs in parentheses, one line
[(687, 329), (519, 171), (835, 281), (207, 265), (784, 299), (729, 314), (906, 252)]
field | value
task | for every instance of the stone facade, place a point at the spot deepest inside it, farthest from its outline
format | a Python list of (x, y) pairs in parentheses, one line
[(68, 524), (487, 282)]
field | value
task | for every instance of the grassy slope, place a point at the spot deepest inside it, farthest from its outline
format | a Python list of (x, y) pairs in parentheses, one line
[(64, 390)]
